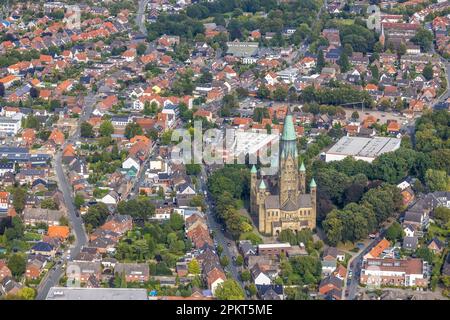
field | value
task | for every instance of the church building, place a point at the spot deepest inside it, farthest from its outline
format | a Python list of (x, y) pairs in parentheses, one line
[(281, 202)]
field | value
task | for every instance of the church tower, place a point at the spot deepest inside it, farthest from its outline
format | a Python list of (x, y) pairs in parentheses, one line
[(253, 190), (288, 173), (260, 200), (302, 179), (313, 191), (382, 37)]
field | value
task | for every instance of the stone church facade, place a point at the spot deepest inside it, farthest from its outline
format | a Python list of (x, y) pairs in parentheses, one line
[(281, 202)]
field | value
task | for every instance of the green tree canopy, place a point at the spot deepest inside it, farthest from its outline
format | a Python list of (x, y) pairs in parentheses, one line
[(230, 290)]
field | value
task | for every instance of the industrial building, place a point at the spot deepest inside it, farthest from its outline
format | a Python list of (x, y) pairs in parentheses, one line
[(367, 149)]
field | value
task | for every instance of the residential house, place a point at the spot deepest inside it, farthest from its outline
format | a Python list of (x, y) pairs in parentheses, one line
[(118, 223), (214, 278), (4, 202), (378, 249), (44, 249), (112, 198), (82, 271), (185, 193), (34, 268), (410, 243), (436, 246), (8, 286), (259, 277), (59, 232), (133, 272), (270, 292), (33, 216), (333, 285), (4, 270)]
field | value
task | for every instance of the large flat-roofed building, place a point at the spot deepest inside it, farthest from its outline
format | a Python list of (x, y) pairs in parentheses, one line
[(367, 149), (75, 293), (9, 125), (242, 49), (394, 272), (238, 143)]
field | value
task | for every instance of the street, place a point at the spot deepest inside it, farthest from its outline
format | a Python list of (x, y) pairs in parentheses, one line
[(355, 267), (51, 279), (219, 235), (446, 94), (140, 18)]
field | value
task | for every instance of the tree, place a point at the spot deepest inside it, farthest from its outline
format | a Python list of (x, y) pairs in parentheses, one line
[(140, 49), (96, 215), (139, 209), (32, 122), (348, 49), (245, 275), (86, 130), (240, 260), (224, 261), (17, 264), (34, 92), (260, 113), (166, 138), (19, 196), (320, 62), (288, 235), (385, 200), (425, 254), (428, 71), (106, 129), (49, 203), (198, 201), (194, 267), (436, 180), (252, 289), (355, 115), (394, 232), (263, 92), (401, 49), (133, 129), (375, 72), (229, 290), (78, 201), (303, 270), (193, 169), (26, 293), (333, 229), (176, 222), (442, 214), (343, 62), (63, 221), (280, 94), (423, 38)]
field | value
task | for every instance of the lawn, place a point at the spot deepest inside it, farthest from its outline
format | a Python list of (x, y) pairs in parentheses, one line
[(345, 22), (32, 236), (346, 246), (435, 231)]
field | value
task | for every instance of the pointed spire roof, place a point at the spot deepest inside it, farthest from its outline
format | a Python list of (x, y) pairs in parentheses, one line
[(313, 183), (288, 128), (302, 167), (262, 185), (253, 169)]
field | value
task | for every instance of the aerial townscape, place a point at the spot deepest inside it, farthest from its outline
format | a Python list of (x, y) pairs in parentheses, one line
[(322, 171)]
